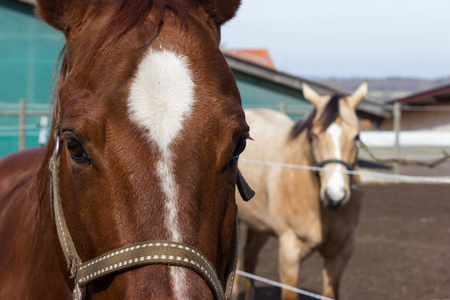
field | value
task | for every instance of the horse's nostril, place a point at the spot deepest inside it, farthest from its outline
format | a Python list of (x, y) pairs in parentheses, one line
[(333, 201), (335, 195), (334, 204)]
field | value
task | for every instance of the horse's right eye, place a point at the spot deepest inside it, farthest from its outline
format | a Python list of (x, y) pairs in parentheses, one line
[(76, 151), (240, 147)]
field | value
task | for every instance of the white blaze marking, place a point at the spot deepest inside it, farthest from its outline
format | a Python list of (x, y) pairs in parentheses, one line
[(335, 132), (336, 183), (162, 96), (161, 99)]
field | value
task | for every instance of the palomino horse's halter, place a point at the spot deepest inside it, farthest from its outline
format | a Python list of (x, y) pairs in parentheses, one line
[(137, 255), (349, 166)]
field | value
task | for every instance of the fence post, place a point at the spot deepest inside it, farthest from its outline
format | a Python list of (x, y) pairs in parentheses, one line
[(397, 128), (43, 127), (283, 107), (22, 133)]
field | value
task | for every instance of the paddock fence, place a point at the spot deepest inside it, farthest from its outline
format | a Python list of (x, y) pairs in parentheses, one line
[(23, 125)]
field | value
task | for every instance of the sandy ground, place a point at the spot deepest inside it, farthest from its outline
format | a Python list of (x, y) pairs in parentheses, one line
[(403, 248)]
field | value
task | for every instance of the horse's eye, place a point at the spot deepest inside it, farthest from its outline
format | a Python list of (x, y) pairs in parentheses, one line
[(240, 147), (357, 138), (312, 137), (76, 150)]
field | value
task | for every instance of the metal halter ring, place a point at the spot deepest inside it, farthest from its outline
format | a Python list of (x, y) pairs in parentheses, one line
[(56, 149)]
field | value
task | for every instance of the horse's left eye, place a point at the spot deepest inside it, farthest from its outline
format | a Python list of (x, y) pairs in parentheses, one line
[(76, 150), (240, 147)]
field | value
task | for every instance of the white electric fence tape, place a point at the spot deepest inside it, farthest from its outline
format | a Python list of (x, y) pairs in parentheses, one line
[(283, 286), (350, 172)]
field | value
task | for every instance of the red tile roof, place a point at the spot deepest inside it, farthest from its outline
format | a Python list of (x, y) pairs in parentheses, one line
[(257, 56)]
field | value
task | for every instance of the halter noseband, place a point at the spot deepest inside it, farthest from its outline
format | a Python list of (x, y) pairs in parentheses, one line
[(137, 255), (335, 161), (321, 164)]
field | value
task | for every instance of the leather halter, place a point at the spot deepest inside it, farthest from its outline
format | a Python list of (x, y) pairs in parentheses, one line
[(137, 255), (350, 167)]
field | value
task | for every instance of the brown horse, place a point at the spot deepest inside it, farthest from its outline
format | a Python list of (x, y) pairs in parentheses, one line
[(147, 129), (305, 210)]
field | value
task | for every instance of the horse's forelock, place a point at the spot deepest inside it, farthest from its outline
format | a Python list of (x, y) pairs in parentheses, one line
[(330, 113), (328, 116), (129, 14)]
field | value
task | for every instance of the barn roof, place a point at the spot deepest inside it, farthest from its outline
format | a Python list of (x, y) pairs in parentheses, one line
[(291, 84), (435, 95)]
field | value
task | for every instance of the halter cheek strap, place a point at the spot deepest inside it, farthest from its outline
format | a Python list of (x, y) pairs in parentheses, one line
[(137, 255)]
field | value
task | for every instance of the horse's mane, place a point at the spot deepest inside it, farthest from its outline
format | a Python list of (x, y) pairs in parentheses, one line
[(328, 116)]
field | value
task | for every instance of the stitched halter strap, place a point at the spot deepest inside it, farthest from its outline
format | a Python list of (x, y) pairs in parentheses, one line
[(129, 257), (142, 254)]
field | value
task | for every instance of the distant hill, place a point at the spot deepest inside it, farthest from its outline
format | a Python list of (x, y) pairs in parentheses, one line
[(383, 89)]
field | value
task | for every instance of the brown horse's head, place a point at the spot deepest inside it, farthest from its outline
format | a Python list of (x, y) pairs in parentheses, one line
[(333, 132), (151, 127)]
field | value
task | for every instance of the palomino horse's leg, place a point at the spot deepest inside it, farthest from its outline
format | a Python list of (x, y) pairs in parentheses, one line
[(334, 265), (290, 253), (235, 295), (255, 241)]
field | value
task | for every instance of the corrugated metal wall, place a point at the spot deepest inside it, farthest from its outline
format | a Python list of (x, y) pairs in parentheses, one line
[(432, 117), (28, 52)]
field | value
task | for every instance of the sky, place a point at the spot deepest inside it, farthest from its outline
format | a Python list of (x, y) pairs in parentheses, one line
[(347, 38)]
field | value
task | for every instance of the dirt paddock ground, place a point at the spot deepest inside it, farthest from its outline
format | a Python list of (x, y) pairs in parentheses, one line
[(403, 248)]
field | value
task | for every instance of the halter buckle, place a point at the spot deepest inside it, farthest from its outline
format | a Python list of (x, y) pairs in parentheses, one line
[(56, 149), (77, 292)]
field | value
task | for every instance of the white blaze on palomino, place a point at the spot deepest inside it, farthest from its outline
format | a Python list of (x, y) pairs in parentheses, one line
[(161, 99), (336, 183)]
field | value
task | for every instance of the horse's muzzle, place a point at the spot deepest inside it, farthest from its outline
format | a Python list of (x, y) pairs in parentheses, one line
[(334, 204)]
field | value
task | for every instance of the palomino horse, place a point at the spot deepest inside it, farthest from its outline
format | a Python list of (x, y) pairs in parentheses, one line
[(147, 129), (306, 210)]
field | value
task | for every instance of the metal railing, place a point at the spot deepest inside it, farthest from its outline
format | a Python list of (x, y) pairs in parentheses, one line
[(22, 112)]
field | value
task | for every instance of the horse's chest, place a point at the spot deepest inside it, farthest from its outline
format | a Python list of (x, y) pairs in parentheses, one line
[(306, 224), (310, 231)]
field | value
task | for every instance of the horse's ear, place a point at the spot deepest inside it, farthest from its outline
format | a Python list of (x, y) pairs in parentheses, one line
[(60, 14), (222, 10), (312, 96), (358, 95)]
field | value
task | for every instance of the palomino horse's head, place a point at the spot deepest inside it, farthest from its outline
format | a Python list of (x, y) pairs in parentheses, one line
[(333, 132), (150, 126)]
